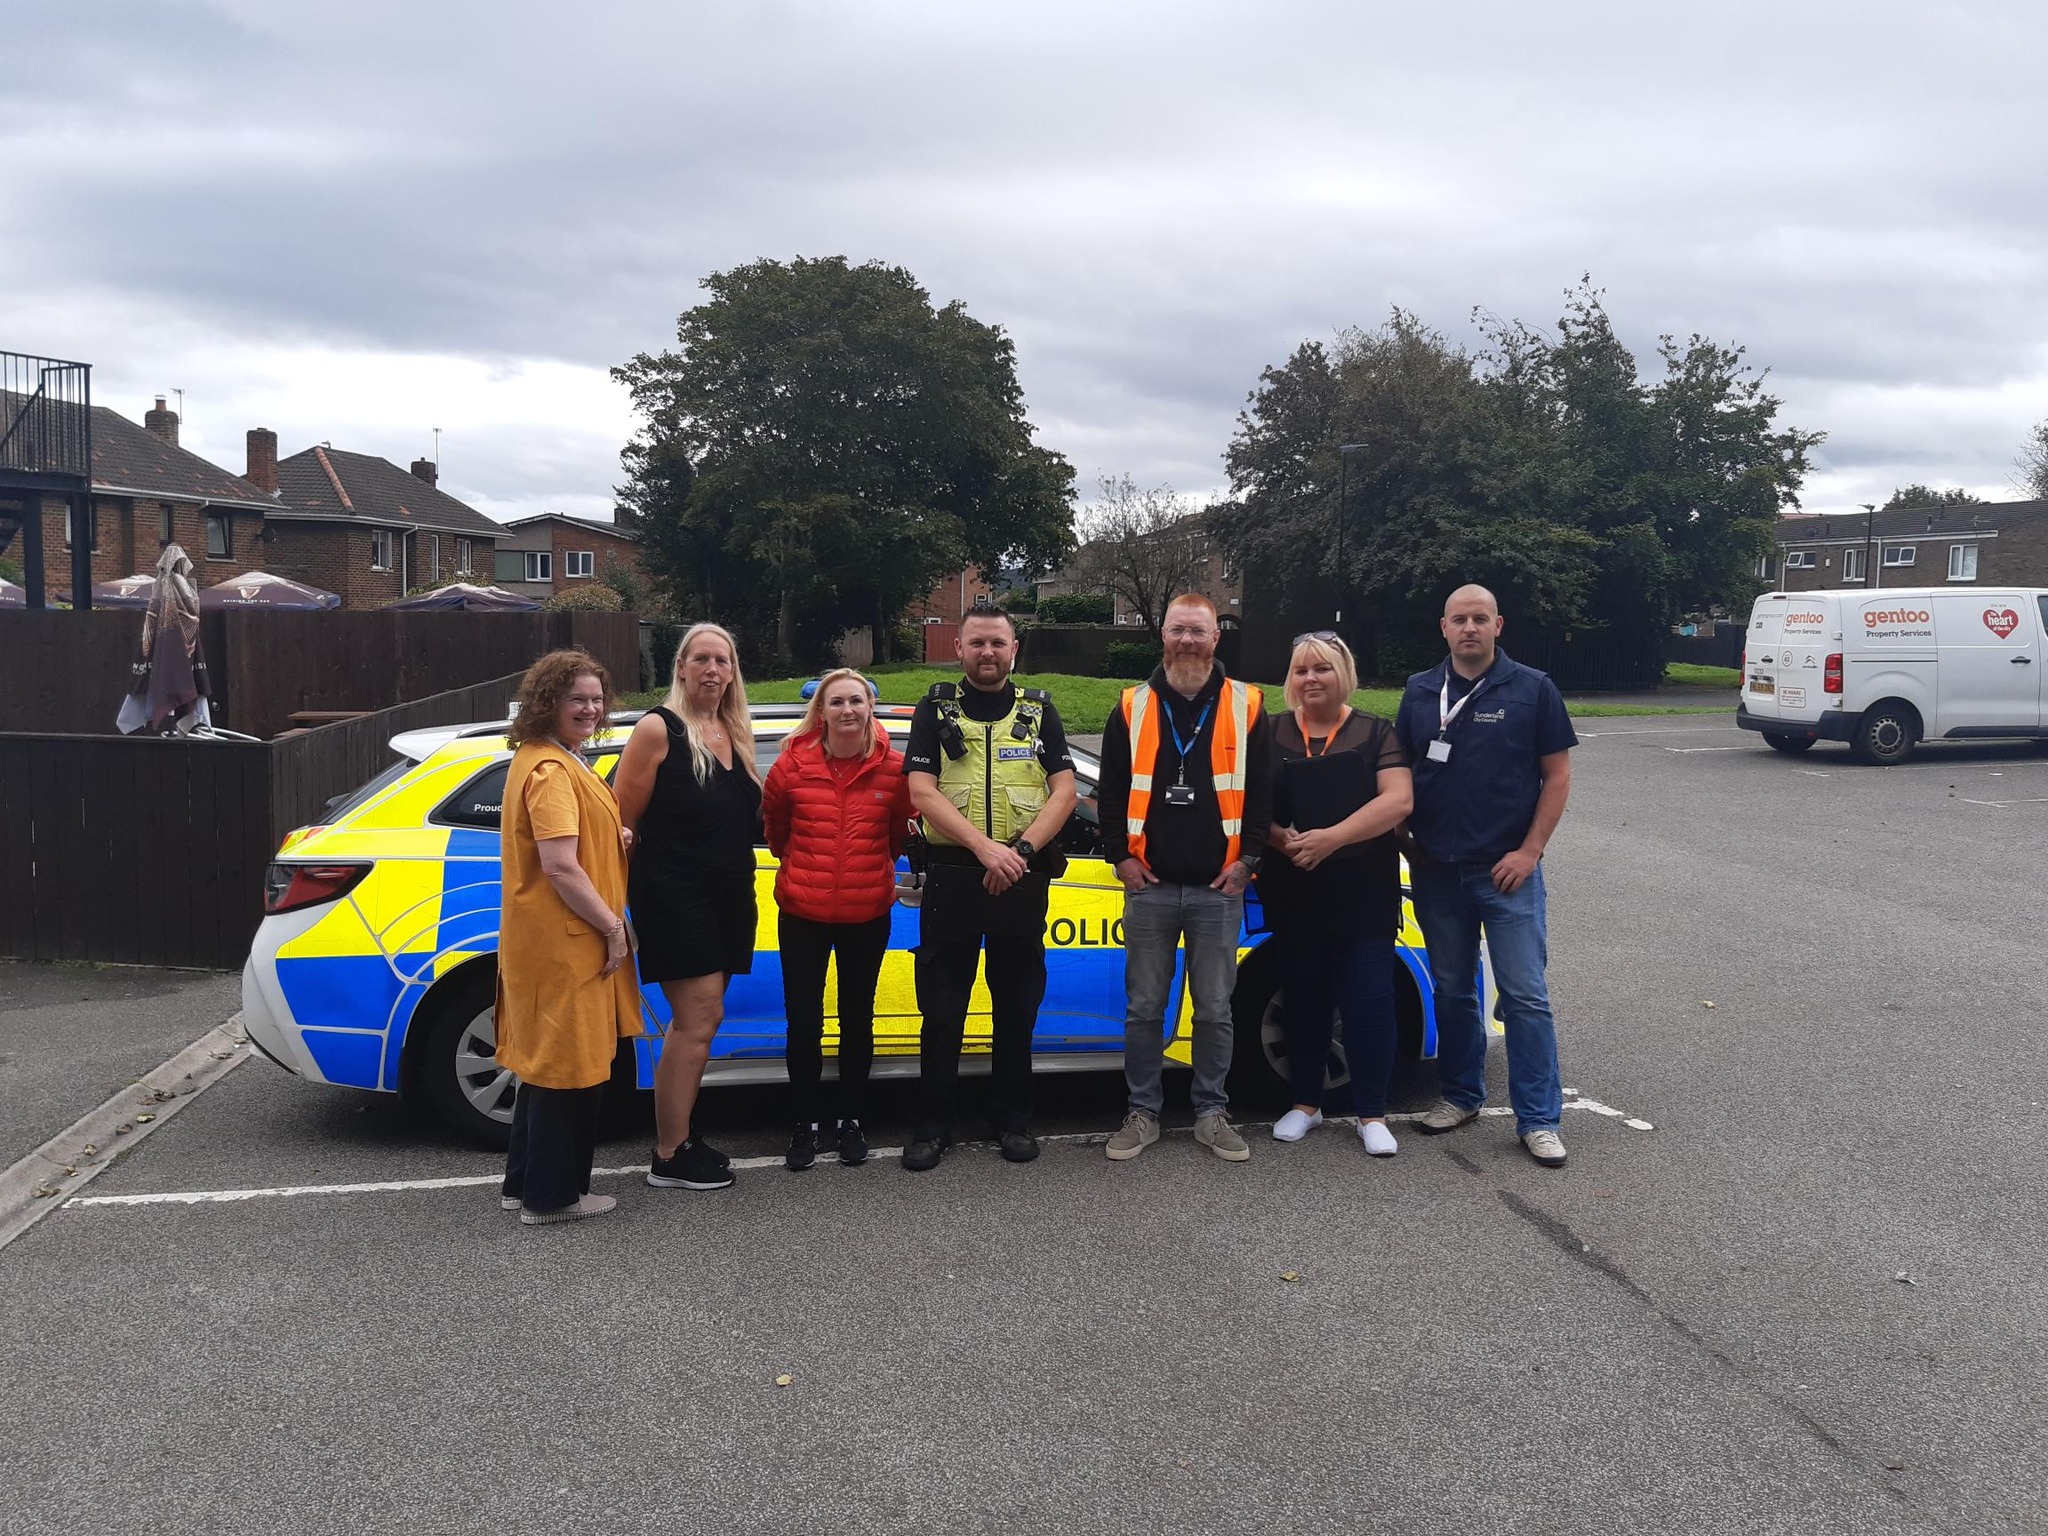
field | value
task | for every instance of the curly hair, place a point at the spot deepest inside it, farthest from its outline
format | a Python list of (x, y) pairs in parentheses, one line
[(541, 690)]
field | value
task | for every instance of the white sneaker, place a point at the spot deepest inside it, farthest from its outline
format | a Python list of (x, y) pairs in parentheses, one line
[(1296, 1123), (584, 1208), (1547, 1147), (1379, 1141)]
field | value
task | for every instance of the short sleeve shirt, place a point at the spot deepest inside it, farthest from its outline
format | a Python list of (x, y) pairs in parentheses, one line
[(1477, 804), (551, 801), (923, 753), (1356, 893)]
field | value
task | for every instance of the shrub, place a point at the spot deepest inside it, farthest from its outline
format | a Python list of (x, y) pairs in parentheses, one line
[(595, 597), (1077, 608), (1130, 659), (1017, 600)]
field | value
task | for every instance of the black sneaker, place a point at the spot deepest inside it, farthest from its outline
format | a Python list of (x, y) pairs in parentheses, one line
[(925, 1152), (1019, 1147), (706, 1150), (692, 1167), (853, 1146), (803, 1149)]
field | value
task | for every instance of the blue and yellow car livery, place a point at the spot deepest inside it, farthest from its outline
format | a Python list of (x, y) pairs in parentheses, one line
[(375, 966)]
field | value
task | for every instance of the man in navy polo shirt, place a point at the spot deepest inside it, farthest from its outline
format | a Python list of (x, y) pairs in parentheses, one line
[(1491, 747)]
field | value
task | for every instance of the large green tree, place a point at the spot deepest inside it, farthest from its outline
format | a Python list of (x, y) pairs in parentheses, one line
[(847, 445), (1917, 495)]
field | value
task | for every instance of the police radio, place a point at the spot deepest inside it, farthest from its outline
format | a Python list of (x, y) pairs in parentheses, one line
[(945, 697), (1032, 707)]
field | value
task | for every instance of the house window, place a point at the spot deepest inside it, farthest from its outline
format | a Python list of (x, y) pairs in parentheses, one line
[(92, 519), (578, 562), (1900, 554), (1763, 567), (465, 555), (1798, 559), (380, 549), (540, 565), (1852, 564), (1962, 562), (166, 528), (219, 536)]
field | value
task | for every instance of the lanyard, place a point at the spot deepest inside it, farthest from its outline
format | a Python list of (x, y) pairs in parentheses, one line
[(1446, 711), (1185, 747), (1308, 742)]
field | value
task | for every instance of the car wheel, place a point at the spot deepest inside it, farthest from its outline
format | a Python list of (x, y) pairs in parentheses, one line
[(457, 1069), (1787, 742), (1258, 1064), (1886, 734)]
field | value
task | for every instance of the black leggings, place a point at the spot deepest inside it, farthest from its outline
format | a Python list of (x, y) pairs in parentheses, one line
[(805, 948)]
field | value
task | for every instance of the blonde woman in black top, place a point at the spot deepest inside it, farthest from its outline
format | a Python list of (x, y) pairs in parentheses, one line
[(1332, 886)]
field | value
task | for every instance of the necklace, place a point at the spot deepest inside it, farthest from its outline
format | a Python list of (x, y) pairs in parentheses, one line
[(842, 769)]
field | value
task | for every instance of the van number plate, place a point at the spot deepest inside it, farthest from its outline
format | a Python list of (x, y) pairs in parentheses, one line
[(1762, 685)]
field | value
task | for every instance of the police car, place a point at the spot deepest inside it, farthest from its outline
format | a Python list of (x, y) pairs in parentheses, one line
[(375, 966)]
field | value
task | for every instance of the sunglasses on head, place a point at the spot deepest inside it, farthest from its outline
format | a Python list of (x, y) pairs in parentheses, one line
[(1327, 636)]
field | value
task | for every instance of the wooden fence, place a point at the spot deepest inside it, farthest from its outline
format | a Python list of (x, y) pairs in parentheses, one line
[(146, 851), (66, 672)]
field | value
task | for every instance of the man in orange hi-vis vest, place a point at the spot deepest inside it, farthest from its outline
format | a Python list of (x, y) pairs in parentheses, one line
[(1185, 798)]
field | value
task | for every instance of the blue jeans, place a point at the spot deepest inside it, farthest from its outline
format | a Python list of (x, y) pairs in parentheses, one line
[(1158, 922), (1453, 902), (1354, 979)]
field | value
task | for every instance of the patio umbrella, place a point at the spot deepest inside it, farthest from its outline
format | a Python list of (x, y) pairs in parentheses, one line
[(167, 684), (12, 596), (262, 589), (128, 592), (462, 594)]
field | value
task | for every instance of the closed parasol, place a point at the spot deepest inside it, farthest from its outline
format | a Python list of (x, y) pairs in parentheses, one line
[(462, 594), (168, 687)]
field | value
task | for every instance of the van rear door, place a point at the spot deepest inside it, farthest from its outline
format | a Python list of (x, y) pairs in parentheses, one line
[(1989, 675), (1760, 656), (1785, 656)]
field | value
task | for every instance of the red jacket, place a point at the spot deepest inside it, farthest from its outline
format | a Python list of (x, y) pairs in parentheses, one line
[(838, 843)]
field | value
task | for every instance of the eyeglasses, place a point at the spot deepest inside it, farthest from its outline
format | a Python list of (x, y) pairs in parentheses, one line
[(1327, 636)]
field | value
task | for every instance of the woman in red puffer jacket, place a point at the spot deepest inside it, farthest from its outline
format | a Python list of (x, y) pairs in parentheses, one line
[(837, 810)]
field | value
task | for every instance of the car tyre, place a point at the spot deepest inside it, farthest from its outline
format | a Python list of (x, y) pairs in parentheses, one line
[(1258, 1062), (1790, 743), (456, 1070), (1886, 734)]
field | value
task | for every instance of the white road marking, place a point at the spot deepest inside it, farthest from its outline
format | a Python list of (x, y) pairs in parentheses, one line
[(1699, 749), (1573, 1100), (2002, 804), (91, 1144), (1669, 730)]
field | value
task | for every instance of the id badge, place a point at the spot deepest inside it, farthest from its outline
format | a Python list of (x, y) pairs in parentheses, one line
[(1180, 794), (1439, 751)]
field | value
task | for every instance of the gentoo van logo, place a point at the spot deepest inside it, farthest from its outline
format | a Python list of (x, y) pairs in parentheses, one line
[(1872, 617), (2001, 621), (1805, 618)]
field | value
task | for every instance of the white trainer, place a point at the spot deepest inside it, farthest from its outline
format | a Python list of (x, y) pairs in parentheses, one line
[(1547, 1147), (1379, 1141), (1296, 1123)]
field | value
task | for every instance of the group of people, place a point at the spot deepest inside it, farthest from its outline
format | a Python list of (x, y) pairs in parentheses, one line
[(1202, 795)]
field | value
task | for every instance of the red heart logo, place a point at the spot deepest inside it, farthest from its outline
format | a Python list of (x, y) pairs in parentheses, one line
[(2001, 621)]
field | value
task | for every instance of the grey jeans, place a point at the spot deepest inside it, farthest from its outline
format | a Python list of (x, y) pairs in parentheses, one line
[(1157, 921)]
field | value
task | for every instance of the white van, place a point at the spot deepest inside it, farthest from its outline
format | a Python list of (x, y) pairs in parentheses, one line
[(1888, 669)]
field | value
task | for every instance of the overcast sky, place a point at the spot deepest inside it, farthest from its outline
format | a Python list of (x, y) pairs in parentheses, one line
[(356, 223)]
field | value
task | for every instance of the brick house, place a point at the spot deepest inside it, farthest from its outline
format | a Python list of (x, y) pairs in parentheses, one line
[(552, 552), (362, 527), (1214, 576), (1999, 543), (952, 599), (148, 492)]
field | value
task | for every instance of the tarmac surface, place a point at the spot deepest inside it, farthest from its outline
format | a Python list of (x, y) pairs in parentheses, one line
[(1809, 1299)]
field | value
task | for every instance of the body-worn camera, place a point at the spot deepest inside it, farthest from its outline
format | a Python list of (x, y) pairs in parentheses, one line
[(953, 740)]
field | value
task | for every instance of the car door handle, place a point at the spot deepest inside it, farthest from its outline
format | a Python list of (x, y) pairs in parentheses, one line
[(2023, 661)]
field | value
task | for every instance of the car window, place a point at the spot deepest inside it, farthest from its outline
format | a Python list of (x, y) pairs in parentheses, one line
[(341, 805), (481, 801)]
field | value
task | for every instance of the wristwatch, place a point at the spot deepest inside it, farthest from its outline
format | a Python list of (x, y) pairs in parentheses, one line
[(1023, 846), (1250, 861)]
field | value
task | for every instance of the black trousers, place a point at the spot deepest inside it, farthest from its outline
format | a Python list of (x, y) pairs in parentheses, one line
[(554, 1139), (1016, 986), (806, 946)]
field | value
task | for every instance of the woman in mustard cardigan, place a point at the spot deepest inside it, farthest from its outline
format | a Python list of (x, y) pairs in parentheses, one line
[(567, 989)]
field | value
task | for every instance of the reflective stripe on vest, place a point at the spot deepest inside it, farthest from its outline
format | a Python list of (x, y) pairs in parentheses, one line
[(1240, 706)]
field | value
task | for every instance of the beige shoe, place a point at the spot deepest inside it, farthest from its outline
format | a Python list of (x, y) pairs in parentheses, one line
[(588, 1205), (1547, 1147), (1138, 1132), (1444, 1116), (1215, 1132)]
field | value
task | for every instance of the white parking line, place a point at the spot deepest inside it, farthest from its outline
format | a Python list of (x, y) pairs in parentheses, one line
[(1699, 749), (2002, 804), (1573, 1100), (1669, 730)]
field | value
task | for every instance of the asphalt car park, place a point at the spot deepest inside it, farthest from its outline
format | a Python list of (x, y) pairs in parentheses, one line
[(1788, 1282)]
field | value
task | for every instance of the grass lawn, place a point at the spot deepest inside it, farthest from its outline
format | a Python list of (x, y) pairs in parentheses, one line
[(1084, 703), (1684, 674)]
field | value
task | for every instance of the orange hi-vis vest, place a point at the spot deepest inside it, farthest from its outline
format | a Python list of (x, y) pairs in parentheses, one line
[(1238, 707)]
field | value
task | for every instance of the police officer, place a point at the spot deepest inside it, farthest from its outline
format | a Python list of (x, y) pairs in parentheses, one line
[(1490, 742), (990, 777)]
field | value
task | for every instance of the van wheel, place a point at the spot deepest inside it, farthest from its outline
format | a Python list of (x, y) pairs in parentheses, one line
[(457, 1069), (1785, 741), (1886, 734)]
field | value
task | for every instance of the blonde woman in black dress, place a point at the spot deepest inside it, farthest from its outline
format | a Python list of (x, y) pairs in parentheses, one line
[(689, 788)]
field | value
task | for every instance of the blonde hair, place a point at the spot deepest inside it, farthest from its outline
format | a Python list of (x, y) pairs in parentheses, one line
[(732, 709), (1336, 653), (813, 722)]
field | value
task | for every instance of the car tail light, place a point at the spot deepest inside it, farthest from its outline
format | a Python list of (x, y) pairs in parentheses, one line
[(1831, 680), (288, 887)]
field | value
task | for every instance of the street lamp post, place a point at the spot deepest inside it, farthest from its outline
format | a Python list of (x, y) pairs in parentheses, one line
[(1869, 541), (1344, 452)]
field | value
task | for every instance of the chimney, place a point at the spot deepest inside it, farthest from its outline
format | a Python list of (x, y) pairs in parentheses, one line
[(162, 422), (426, 470), (263, 459)]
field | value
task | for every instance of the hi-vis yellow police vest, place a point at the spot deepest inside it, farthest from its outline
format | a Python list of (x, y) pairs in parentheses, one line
[(999, 785)]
